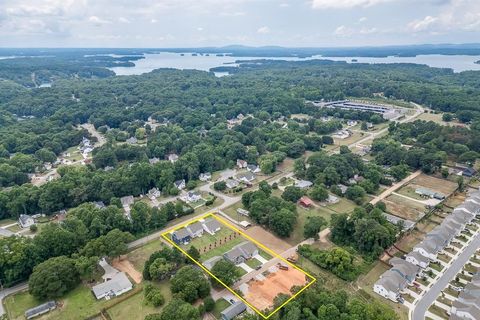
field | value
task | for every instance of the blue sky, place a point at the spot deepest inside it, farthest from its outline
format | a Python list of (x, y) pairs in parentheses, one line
[(194, 23)]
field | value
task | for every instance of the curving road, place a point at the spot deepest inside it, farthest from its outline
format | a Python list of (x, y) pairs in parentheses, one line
[(432, 293)]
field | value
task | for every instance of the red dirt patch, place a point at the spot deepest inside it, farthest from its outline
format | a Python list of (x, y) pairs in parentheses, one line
[(126, 266)]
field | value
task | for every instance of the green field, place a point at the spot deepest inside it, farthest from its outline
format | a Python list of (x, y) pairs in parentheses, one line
[(207, 239), (222, 249), (303, 214), (343, 206), (138, 256), (6, 222), (220, 305), (253, 263), (135, 308), (78, 304)]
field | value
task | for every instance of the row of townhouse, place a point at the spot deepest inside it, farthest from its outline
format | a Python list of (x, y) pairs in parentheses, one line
[(392, 283), (467, 306), (195, 230)]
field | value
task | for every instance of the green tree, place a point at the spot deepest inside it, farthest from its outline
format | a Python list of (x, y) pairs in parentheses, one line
[(53, 278), (190, 284), (319, 193), (153, 295), (292, 194), (161, 269), (194, 253), (313, 226), (178, 310), (226, 271)]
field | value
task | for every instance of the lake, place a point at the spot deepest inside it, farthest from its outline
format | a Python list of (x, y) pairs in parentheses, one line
[(202, 62)]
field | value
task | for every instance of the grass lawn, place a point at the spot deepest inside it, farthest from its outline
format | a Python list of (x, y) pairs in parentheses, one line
[(77, 304), (6, 222), (139, 256), (222, 249), (253, 263), (14, 228), (409, 192), (135, 308), (220, 305), (207, 239), (232, 212), (303, 214), (264, 255), (75, 154), (198, 203), (204, 208), (343, 206), (241, 271)]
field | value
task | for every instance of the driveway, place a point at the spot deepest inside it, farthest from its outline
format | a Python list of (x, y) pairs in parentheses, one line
[(441, 283), (9, 291), (395, 187), (245, 267)]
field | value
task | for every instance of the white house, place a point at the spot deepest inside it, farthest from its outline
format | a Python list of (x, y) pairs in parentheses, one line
[(253, 168), (231, 183), (211, 226), (241, 164), (195, 229), (246, 177), (192, 196), (180, 184), (25, 221), (428, 248), (303, 184), (390, 285), (114, 287), (417, 259), (172, 157), (205, 176), (153, 193)]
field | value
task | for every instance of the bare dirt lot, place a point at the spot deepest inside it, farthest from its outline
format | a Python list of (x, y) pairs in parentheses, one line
[(440, 185), (267, 239), (261, 293), (126, 266), (404, 208)]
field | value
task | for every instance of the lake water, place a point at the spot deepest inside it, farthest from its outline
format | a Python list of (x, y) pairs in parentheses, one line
[(187, 61)]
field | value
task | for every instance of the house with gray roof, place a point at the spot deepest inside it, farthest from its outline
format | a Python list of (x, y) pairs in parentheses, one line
[(469, 207), (406, 269), (425, 192), (181, 236), (114, 287), (195, 229), (25, 221), (390, 285), (180, 184), (246, 177), (231, 183), (417, 259), (428, 248), (233, 310), (41, 309), (241, 252), (211, 226), (303, 184)]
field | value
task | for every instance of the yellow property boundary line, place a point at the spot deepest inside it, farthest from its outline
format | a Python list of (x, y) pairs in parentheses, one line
[(165, 235)]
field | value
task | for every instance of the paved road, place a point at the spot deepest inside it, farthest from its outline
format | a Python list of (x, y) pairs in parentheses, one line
[(9, 291), (394, 187), (431, 295)]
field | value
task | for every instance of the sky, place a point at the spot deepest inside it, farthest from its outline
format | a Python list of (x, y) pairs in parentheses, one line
[(197, 23)]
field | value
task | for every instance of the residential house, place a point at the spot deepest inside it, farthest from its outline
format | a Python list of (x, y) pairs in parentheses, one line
[(351, 123), (390, 285), (407, 224), (243, 212), (172, 157), (428, 248), (253, 168), (205, 176), (181, 236), (469, 207), (132, 140), (305, 202), (180, 184), (343, 188), (25, 221), (231, 183), (114, 287), (153, 193), (195, 229), (211, 226), (332, 199), (417, 259), (241, 164), (425, 192), (241, 252), (442, 235), (303, 184), (233, 310), (467, 306), (246, 177), (126, 203), (407, 270), (41, 309), (192, 196)]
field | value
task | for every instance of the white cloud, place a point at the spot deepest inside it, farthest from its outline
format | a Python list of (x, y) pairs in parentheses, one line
[(423, 24), (284, 5), (98, 21), (199, 29), (263, 30), (362, 19), (343, 31), (123, 20), (345, 4)]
